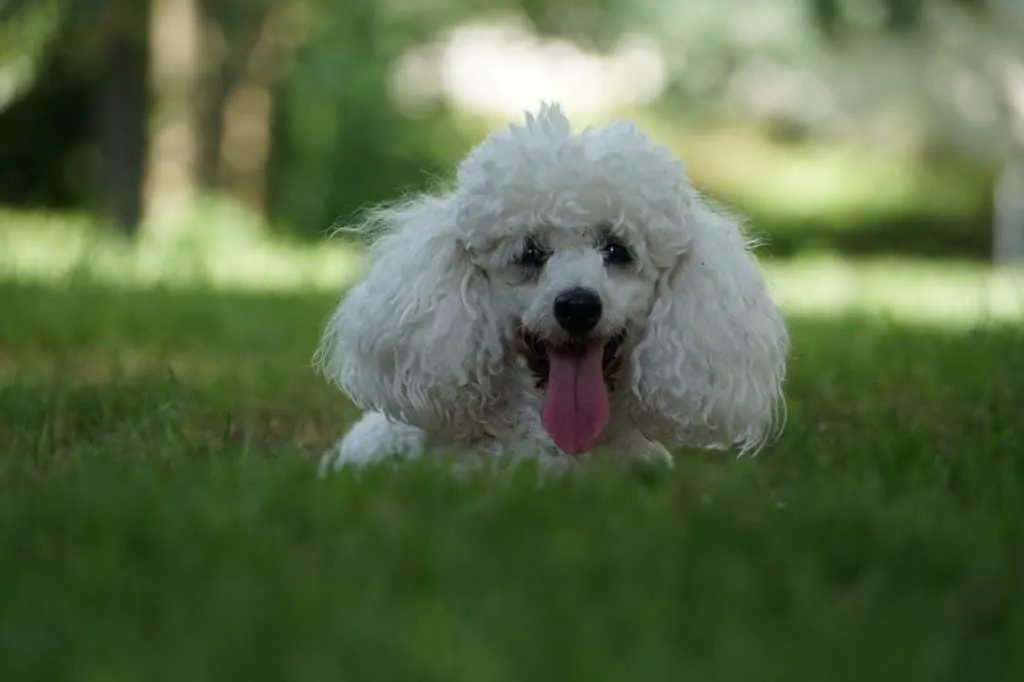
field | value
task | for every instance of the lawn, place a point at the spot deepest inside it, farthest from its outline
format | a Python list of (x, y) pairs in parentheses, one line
[(161, 519)]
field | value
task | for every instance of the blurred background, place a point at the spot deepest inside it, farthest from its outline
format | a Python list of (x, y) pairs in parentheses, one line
[(855, 133)]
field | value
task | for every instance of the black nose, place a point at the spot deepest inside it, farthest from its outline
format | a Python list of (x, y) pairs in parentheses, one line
[(578, 310)]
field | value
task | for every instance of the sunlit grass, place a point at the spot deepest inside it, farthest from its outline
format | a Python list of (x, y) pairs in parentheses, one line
[(217, 248), (233, 255), (944, 294)]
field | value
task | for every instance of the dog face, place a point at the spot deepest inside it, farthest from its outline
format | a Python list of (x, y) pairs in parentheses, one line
[(564, 234), (585, 264), (572, 295), (566, 284)]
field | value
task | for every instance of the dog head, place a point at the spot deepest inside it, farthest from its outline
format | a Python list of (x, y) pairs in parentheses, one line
[(584, 267)]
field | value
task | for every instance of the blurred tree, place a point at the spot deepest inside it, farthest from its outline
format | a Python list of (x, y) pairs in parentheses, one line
[(121, 111), (248, 48), (88, 55), (959, 64), (221, 94), (282, 104), (939, 77), (42, 97), (173, 32), (339, 141), (594, 23)]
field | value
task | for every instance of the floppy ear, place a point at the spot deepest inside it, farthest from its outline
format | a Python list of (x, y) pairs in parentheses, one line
[(709, 367), (416, 339)]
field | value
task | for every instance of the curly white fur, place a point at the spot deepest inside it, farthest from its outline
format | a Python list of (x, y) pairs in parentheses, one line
[(426, 343)]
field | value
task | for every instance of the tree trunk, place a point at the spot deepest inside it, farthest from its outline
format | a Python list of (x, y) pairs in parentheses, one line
[(1008, 237), (209, 174), (248, 105), (1008, 228), (175, 30), (214, 88), (121, 113)]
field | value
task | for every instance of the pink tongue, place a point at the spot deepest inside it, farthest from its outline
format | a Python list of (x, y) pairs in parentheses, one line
[(576, 403)]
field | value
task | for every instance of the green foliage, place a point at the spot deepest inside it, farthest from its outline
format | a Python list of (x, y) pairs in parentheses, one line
[(595, 23), (160, 518), (840, 19), (340, 143), (339, 140), (25, 31)]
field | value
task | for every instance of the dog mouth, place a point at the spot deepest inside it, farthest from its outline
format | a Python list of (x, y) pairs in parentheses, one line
[(537, 352), (576, 378)]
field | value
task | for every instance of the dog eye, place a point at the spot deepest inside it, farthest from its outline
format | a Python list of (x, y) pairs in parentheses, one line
[(533, 255), (616, 253)]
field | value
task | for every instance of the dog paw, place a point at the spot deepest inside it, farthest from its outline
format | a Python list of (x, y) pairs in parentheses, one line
[(373, 439)]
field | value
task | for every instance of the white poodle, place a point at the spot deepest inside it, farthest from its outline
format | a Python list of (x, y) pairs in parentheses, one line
[(571, 294)]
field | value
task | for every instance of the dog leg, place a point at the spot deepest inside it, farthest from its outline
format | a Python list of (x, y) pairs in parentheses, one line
[(372, 439)]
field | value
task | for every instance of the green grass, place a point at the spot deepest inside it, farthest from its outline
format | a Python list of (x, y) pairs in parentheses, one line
[(160, 516)]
